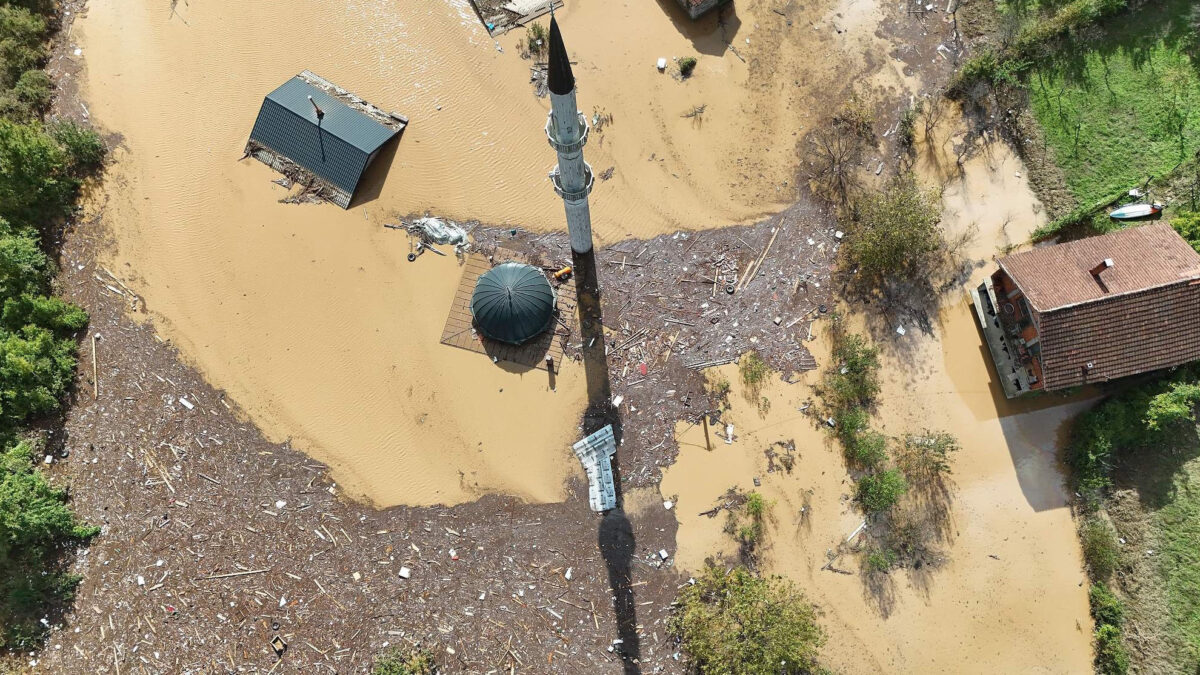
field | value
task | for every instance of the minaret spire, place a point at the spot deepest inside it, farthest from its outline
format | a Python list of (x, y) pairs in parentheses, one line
[(567, 131)]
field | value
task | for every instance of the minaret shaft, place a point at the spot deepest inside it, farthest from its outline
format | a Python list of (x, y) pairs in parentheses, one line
[(567, 131)]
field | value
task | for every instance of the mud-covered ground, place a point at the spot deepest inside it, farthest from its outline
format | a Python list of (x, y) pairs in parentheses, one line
[(216, 541)]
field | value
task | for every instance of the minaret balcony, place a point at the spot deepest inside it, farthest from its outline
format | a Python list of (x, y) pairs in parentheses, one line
[(551, 135), (573, 195)]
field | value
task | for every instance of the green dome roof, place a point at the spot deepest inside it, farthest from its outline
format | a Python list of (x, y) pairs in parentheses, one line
[(512, 303)]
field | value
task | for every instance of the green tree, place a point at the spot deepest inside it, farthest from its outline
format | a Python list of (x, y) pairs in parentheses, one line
[(733, 622), (35, 526), (85, 151), (35, 370), (22, 36), (36, 185), (895, 232)]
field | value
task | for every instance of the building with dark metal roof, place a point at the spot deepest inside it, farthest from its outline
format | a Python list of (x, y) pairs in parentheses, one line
[(309, 126), (513, 303), (1093, 310)]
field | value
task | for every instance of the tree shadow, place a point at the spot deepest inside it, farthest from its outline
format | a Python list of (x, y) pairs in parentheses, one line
[(615, 537), (1154, 471)]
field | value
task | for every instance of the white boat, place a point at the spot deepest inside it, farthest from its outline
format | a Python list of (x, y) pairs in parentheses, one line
[(1131, 211)]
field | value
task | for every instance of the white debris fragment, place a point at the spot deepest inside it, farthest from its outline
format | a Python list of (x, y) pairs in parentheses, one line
[(901, 330), (186, 403), (405, 573), (663, 554), (668, 505), (141, 581), (728, 434), (280, 504), (839, 234), (617, 401), (282, 600), (567, 575), (661, 65)]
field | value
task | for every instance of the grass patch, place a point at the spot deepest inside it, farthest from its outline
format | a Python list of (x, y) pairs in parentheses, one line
[(1146, 438), (1119, 107), (397, 661), (1101, 550)]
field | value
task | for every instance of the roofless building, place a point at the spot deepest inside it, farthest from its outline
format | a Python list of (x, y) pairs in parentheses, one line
[(1092, 310), (315, 132)]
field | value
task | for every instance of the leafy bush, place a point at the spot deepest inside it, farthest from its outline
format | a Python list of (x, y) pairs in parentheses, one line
[(1107, 608), (926, 456), (1188, 226), (733, 622), (1122, 423), (398, 661), (34, 90), (850, 423), (1111, 656), (880, 560), (858, 116), (83, 146), (1173, 407), (36, 184), (686, 65), (868, 449), (895, 232), (853, 381), (1101, 551), (535, 38), (880, 491), (749, 531), (35, 526), (906, 133), (754, 372)]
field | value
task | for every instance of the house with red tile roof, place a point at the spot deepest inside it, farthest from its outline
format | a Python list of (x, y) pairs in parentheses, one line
[(1092, 310)]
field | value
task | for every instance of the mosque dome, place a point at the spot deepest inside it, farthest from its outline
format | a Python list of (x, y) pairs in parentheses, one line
[(512, 303)]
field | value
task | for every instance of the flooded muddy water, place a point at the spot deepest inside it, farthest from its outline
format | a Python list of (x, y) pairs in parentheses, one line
[(1011, 595), (308, 316)]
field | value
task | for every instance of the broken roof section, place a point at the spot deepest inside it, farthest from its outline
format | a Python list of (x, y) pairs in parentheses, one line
[(595, 454), (1060, 276), (309, 125)]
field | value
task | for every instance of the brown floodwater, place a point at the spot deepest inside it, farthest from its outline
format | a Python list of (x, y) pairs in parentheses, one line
[(1011, 596), (309, 317)]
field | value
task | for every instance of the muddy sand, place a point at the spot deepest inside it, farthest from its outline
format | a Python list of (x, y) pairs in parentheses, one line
[(309, 318), (1007, 592), (312, 328)]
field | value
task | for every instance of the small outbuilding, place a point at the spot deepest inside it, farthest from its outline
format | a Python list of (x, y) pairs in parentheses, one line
[(1092, 310), (695, 8), (313, 131), (513, 303)]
